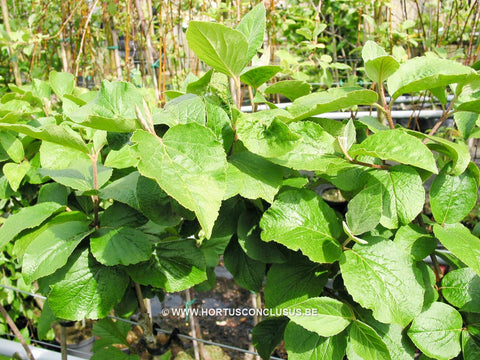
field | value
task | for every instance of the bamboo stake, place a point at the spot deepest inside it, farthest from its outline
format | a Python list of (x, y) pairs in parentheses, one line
[(15, 330)]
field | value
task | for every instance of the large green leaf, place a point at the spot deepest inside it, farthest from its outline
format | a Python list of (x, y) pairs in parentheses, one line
[(364, 343), (57, 134), (436, 331), (174, 266), (252, 177), (62, 83), (398, 146), (223, 48), (294, 281), (301, 220), (256, 76), (253, 26), (120, 246), (292, 89), (267, 334), (415, 240), (182, 110), (86, 289), (219, 122), (113, 108), (330, 317), (398, 344), (302, 344), (458, 152), (308, 154), (461, 288), (378, 64), (80, 175), (55, 156), (429, 280), (365, 210), (402, 192), (380, 276), (452, 197), (458, 239), (331, 100), (265, 135), (247, 272), (27, 218), (53, 244), (426, 72), (189, 164)]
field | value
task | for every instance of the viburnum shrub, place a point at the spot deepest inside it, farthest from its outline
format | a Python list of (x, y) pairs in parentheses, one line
[(112, 198)]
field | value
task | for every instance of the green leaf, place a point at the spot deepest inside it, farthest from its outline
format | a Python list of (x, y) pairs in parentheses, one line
[(54, 242), (465, 122), (365, 210), (461, 288), (294, 281), (364, 343), (55, 156), (267, 334), (13, 146), (121, 159), (264, 134), (200, 86), (120, 246), (424, 73), (458, 152), (86, 289), (62, 83), (259, 75), (436, 331), (174, 266), (252, 177), (291, 89), (470, 348), (402, 193), (80, 175), (330, 316), (184, 109), (429, 282), (305, 345), (331, 100), (45, 321), (378, 64), (416, 240), (398, 344), (308, 154), (189, 164), (248, 234), (398, 146), (57, 134), (118, 215), (301, 220), (15, 173), (110, 332), (452, 197), (247, 272), (458, 239), (380, 276), (113, 108), (219, 122), (27, 218), (253, 26), (113, 353), (223, 48)]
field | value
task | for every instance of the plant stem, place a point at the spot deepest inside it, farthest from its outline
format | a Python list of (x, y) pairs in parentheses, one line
[(354, 161), (63, 342), (15, 330), (146, 321), (386, 108), (95, 199)]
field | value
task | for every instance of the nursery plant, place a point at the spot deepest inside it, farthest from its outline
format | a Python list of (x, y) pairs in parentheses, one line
[(113, 200)]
